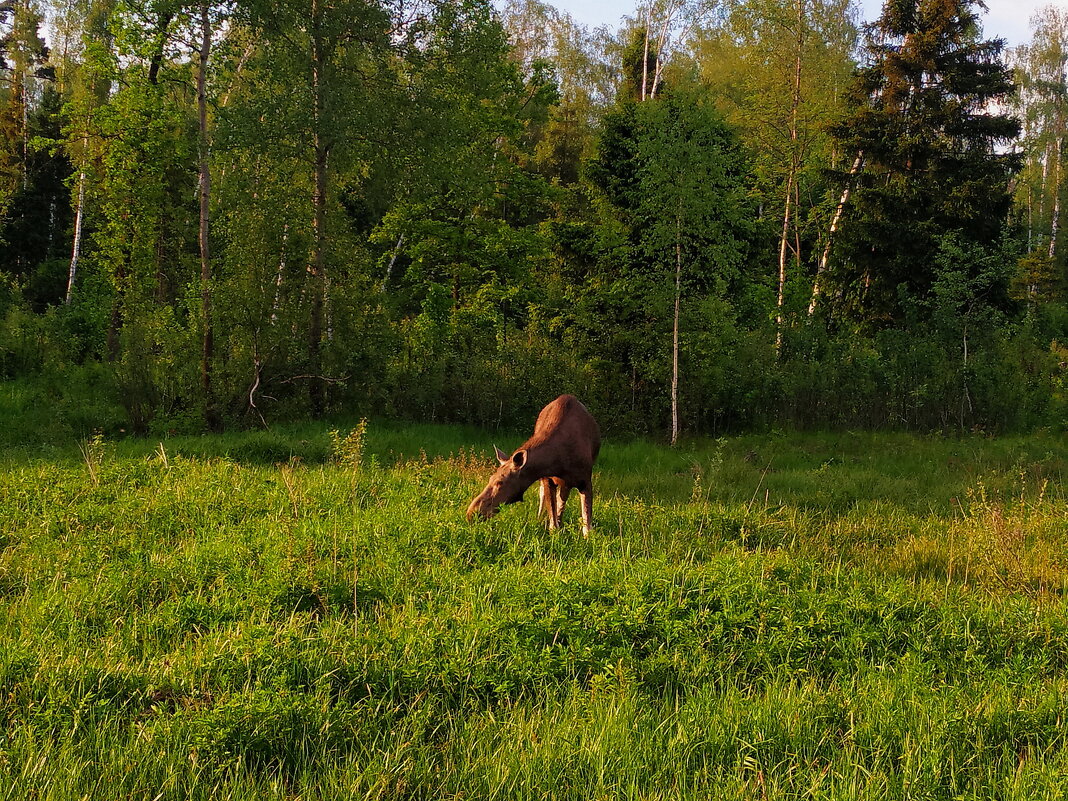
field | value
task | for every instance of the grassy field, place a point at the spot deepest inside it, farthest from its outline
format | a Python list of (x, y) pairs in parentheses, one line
[(293, 615)]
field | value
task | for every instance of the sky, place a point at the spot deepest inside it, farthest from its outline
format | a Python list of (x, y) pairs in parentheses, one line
[(1008, 19)]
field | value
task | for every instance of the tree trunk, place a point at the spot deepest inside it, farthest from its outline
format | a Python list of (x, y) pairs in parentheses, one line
[(1055, 219), (276, 304), (645, 52), (392, 262), (783, 239), (858, 163), (791, 177), (76, 251), (211, 414), (317, 263), (156, 61), (661, 44), (675, 333), (24, 92)]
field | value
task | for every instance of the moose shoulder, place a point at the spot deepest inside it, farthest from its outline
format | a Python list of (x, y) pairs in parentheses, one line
[(560, 455)]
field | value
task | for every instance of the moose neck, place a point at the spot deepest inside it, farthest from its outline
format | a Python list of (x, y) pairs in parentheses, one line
[(540, 458)]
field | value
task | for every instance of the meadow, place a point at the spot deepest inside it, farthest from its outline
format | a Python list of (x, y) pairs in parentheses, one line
[(303, 613)]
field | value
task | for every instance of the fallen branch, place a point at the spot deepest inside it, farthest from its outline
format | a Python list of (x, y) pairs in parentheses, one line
[(324, 378)]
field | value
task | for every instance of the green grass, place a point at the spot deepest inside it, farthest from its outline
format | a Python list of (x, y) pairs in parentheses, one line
[(780, 616)]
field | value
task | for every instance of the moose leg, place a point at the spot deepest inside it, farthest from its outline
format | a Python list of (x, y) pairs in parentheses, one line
[(562, 491), (548, 501), (586, 493)]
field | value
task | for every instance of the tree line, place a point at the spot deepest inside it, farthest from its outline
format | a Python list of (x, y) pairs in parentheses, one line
[(756, 213)]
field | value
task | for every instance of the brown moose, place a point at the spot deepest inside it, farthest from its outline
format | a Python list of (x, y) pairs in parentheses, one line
[(560, 454)]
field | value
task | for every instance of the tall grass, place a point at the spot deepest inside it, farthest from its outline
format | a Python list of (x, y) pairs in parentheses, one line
[(280, 615)]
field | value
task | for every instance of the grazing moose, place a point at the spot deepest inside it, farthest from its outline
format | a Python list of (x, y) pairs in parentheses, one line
[(560, 455)]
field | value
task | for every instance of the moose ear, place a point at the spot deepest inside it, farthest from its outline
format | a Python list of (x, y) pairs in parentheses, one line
[(502, 457), (519, 458)]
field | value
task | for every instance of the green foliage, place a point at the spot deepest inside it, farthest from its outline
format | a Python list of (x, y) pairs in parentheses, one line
[(692, 188), (1041, 102), (58, 407), (775, 69), (33, 246), (674, 178), (24, 56)]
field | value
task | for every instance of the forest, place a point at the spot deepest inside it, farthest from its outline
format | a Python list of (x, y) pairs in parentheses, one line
[(747, 215)]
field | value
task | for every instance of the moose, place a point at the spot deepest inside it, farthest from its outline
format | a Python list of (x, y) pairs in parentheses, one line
[(560, 455)]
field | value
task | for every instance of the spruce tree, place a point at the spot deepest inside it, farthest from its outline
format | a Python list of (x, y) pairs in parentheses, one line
[(924, 115)]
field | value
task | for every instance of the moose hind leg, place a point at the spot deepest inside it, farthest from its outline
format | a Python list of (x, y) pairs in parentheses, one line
[(548, 502), (586, 493), (562, 491)]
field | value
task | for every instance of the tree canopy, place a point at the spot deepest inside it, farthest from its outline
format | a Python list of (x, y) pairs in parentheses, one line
[(713, 217)]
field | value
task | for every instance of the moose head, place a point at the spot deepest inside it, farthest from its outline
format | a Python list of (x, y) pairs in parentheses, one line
[(506, 485)]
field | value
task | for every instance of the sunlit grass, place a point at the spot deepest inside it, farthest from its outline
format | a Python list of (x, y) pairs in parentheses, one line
[(774, 616)]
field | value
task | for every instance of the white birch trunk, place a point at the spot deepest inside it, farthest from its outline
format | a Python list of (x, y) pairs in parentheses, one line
[(76, 251), (675, 333), (276, 305), (791, 177), (781, 296), (392, 262), (645, 52), (1055, 219), (661, 46), (835, 221)]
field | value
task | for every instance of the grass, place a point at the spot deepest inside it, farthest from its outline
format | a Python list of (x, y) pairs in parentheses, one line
[(258, 615)]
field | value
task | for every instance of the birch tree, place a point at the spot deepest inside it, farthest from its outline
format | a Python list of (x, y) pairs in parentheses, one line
[(332, 52), (85, 71), (1042, 105), (207, 19), (779, 69), (667, 26), (545, 38)]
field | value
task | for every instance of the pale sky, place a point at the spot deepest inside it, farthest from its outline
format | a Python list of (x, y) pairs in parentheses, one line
[(1009, 19)]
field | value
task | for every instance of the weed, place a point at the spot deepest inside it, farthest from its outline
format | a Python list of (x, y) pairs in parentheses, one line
[(347, 450), (92, 451)]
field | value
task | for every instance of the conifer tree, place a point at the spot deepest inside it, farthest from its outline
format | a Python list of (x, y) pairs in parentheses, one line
[(33, 239), (924, 114)]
